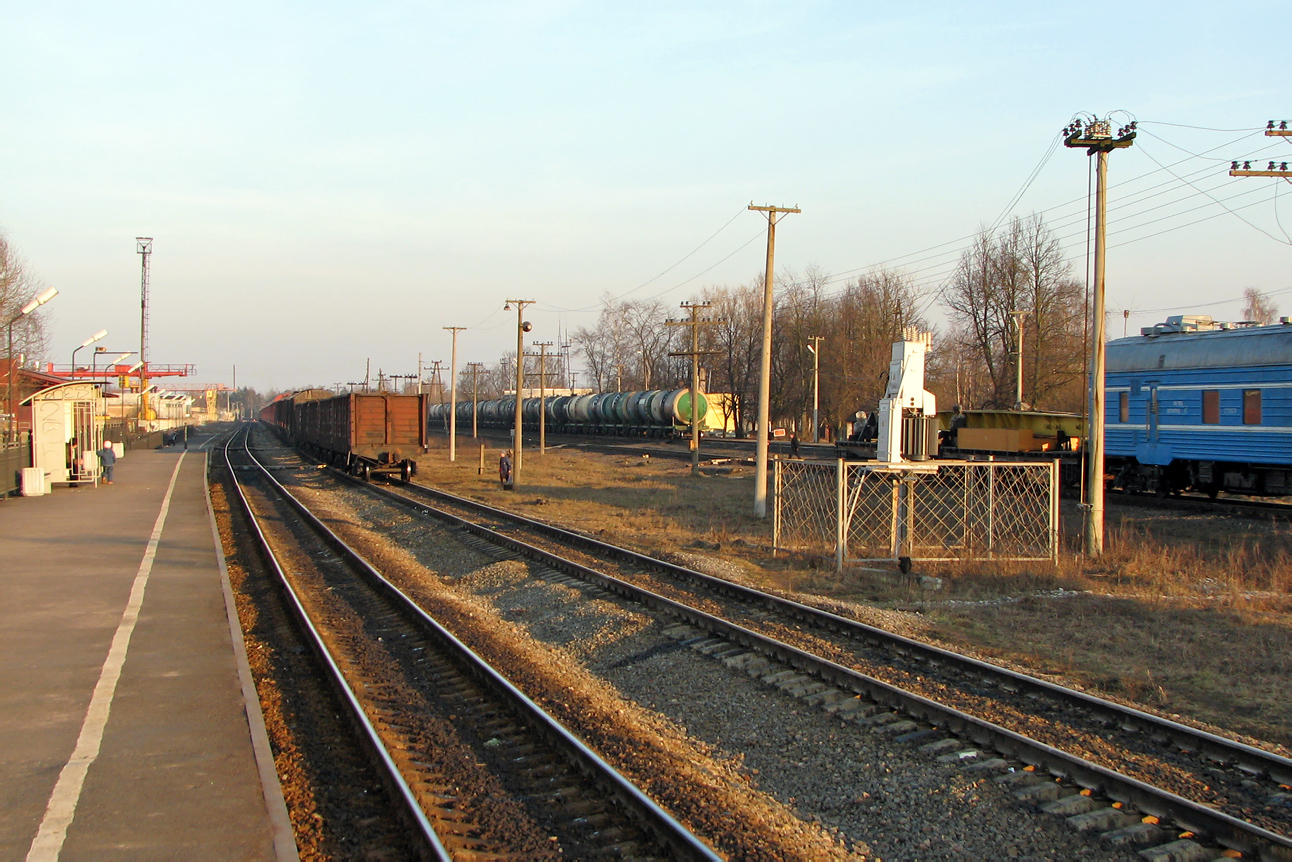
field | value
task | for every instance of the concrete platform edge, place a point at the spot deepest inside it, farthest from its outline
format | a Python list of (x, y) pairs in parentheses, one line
[(279, 822)]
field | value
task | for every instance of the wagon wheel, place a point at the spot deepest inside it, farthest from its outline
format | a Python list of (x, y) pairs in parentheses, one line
[(366, 472), (406, 472)]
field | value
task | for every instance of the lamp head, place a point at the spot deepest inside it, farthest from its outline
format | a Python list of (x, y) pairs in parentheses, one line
[(526, 326), (507, 307)]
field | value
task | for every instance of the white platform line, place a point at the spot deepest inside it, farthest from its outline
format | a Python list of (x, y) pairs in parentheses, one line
[(59, 813)]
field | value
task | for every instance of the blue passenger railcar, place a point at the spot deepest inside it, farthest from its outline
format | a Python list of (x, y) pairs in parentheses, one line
[(1195, 404)]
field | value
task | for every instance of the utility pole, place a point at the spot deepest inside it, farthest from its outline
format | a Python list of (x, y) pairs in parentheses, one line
[(773, 215), (815, 348), (437, 383), (1096, 136), (522, 326), (695, 323), (475, 397), (542, 394), (144, 248), (1279, 170), (419, 374), (1018, 361), (453, 393)]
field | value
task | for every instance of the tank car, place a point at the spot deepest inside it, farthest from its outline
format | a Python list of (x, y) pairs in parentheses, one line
[(1193, 404), (648, 413)]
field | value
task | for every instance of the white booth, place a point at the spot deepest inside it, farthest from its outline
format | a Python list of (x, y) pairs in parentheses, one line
[(67, 432)]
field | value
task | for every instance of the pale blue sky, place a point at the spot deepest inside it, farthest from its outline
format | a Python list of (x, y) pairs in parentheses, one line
[(329, 182)]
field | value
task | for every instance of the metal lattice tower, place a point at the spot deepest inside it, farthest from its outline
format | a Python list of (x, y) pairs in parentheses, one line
[(144, 246)]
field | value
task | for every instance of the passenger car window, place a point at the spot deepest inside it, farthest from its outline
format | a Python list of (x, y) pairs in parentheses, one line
[(1251, 407), (1123, 406), (1211, 406)]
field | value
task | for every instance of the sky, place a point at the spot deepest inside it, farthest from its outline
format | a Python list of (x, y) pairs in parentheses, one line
[(330, 184)]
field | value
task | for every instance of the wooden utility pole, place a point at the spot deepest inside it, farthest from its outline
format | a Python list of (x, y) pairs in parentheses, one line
[(1018, 362), (695, 323), (815, 348), (522, 326), (453, 393), (773, 215), (475, 396), (1097, 137)]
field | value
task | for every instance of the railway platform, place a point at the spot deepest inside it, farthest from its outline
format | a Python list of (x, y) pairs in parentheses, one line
[(125, 731)]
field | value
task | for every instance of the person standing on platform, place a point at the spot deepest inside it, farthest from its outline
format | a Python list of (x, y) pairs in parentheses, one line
[(107, 460), (794, 445)]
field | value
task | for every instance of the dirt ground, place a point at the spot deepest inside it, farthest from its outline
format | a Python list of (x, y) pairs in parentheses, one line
[(1186, 614)]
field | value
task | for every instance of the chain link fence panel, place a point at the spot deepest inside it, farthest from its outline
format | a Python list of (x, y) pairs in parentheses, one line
[(929, 511)]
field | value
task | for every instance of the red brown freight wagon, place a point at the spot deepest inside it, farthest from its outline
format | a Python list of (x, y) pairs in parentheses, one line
[(365, 434)]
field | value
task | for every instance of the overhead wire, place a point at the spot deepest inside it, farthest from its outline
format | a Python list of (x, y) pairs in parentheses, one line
[(1208, 194), (665, 271)]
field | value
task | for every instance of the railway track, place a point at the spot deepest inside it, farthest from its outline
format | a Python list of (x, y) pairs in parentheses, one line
[(477, 768), (723, 450), (1131, 776)]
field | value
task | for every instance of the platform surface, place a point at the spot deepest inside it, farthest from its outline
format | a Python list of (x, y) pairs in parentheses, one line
[(175, 775)]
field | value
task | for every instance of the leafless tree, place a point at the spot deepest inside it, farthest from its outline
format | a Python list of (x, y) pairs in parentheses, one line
[(1259, 308), (1021, 270), (17, 287)]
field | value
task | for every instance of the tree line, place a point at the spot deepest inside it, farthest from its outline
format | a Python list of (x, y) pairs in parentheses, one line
[(1017, 274), (1009, 278)]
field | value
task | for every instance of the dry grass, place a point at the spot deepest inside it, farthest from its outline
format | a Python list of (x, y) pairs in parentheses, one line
[(1185, 613)]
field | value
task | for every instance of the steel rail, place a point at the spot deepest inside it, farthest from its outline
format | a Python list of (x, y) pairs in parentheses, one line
[(410, 811), (1230, 831), (1253, 760), (656, 821)]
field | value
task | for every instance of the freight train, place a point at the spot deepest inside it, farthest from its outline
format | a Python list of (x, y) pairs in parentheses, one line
[(366, 434), (648, 413), (1194, 404)]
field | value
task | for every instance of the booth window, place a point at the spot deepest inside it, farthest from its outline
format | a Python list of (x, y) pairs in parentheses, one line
[(1211, 406)]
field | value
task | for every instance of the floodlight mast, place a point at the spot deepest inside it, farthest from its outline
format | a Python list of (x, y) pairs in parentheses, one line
[(144, 248)]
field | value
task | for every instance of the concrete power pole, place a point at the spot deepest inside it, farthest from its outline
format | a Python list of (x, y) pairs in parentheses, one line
[(815, 348), (773, 214), (542, 394), (1097, 137), (695, 323), (475, 396), (453, 392), (1018, 362)]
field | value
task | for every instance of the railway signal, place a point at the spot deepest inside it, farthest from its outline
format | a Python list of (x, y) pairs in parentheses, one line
[(522, 326)]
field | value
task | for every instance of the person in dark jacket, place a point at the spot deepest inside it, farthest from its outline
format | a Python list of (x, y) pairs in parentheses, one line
[(504, 469), (107, 460)]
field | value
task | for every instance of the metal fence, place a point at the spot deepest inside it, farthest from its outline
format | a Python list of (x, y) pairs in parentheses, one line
[(945, 510)]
